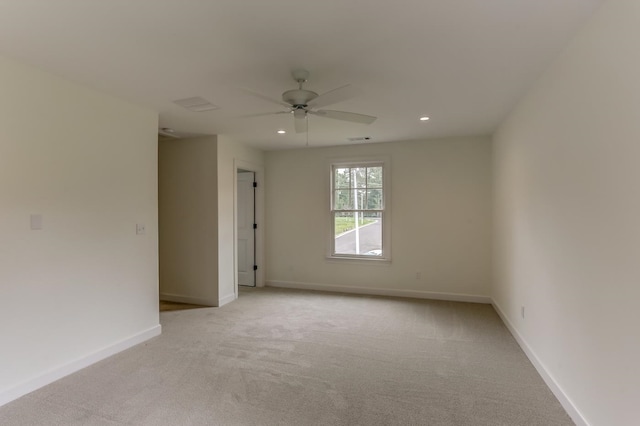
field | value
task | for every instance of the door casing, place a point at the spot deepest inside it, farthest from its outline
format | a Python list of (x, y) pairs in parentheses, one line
[(259, 219)]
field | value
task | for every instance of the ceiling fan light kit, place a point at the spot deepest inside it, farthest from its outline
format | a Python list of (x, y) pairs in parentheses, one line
[(299, 113)]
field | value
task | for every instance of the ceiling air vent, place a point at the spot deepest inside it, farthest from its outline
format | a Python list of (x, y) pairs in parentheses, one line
[(197, 104), (360, 139)]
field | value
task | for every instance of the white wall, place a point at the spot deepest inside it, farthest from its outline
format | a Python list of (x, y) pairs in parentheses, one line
[(197, 179), (188, 210), (567, 219), (85, 285), (441, 220), (231, 154)]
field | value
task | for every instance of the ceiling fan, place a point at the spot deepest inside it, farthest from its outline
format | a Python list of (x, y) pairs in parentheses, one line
[(302, 102)]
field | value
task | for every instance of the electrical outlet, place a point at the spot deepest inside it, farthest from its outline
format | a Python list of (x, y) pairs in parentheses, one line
[(140, 229), (418, 275)]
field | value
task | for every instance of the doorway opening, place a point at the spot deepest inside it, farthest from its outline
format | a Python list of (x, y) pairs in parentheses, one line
[(246, 227)]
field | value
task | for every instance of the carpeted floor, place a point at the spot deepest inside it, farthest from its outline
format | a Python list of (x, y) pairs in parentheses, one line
[(287, 357)]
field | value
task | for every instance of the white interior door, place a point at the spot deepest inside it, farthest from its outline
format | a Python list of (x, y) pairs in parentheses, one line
[(246, 233)]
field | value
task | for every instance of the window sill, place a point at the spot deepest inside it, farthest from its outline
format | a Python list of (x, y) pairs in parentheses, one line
[(359, 259)]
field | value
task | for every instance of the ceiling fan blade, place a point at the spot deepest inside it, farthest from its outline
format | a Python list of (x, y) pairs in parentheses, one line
[(301, 124), (265, 98), (345, 116), (334, 96)]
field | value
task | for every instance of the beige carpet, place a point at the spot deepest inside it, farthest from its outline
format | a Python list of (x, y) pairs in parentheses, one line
[(286, 357)]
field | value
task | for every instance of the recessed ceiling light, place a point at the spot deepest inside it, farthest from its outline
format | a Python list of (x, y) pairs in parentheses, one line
[(282, 132), (197, 104), (425, 118)]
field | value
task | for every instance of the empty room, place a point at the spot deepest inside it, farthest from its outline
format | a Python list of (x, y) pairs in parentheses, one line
[(319, 213)]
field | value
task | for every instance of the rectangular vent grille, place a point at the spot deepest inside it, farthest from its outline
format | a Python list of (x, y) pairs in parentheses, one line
[(360, 139), (197, 104)]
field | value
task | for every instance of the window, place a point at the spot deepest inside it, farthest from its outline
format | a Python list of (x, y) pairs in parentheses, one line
[(358, 211)]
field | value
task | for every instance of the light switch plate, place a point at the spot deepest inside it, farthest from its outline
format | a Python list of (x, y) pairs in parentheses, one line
[(36, 222)]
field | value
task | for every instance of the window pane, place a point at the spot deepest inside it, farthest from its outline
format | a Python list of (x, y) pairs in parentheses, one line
[(374, 199), (363, 238), (344, 222), (342, 199), (341, 177), (374, 177), (359, 177)]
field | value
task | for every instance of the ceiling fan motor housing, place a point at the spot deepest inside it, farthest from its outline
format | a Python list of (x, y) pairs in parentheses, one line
[(299, 97)]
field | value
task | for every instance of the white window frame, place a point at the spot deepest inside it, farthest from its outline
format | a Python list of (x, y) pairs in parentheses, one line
[(385, 162)]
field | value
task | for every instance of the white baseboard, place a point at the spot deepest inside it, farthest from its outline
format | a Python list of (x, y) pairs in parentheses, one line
[(227, 299), (453, 297), (565, 401), (76, 365), (185, 299)]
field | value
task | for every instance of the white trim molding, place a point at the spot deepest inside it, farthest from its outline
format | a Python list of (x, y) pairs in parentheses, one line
[(415, 294), (383, 161), (78, 364), (553, 385), (259, 218), (227, 299)]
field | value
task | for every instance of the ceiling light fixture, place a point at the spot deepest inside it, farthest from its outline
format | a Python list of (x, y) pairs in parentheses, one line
[(196, 104), (282, 132), (425, 118)]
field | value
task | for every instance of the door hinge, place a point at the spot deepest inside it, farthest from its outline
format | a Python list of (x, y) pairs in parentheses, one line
[(255, 226), (255, 184), (255, 267)]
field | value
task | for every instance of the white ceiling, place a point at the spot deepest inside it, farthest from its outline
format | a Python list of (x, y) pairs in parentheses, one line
[(464, 63)]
